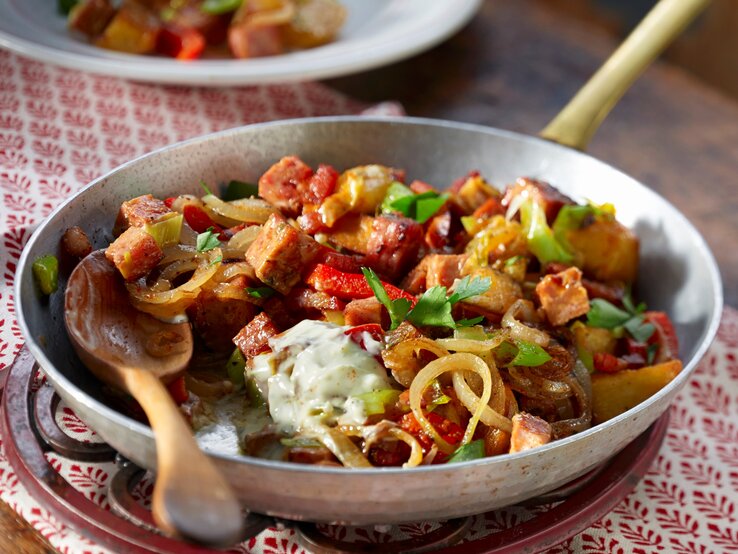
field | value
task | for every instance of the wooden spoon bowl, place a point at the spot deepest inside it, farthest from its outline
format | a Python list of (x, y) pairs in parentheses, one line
[(138, 354)]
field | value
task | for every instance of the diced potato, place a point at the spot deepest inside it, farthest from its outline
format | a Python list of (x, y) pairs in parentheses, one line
[(133, 29), (593, 339), (316, 22), (609, 250), (352, 232), (615, 393), (359, 190)]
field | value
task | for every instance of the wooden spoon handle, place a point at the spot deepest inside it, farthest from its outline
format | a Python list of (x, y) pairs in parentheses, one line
[(191, 498)]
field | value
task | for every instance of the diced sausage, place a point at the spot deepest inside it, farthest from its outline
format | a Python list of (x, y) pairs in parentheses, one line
[(548, 196), (393, 245), (415, 281), (562, 296), (320, 186), (444, 269), (528, 431), (135, 253), (75, 243), (253, 339), (139, 211), (279, 253), (216, 319), (360, 312), (279, 184), (90, 17)]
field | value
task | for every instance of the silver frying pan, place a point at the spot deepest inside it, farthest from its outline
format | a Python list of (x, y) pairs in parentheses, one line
[(678, 274)]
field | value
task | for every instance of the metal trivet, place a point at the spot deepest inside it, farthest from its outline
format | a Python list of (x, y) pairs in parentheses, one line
[(29, 429)]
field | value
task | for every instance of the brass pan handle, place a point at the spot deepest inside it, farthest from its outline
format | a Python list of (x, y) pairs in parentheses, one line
[(576, 124)]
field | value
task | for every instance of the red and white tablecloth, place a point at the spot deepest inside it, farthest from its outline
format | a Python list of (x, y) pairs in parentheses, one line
[(59, 129)]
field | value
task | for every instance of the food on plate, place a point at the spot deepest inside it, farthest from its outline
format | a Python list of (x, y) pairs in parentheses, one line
[(379, 323), (190, 29)]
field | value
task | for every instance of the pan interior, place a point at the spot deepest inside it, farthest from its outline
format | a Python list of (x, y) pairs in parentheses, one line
[(678, 273)]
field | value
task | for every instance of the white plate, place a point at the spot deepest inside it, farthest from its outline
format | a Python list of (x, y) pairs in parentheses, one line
[(376, 32)]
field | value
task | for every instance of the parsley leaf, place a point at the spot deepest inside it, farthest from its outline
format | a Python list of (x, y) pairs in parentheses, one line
[(240, 189), (395, 191), (468, 287), (420, 207), (260, 292), (433, 308), (397, 309), (207, 241), (472, 451), (469, 322), (638, 329), (604, 314)]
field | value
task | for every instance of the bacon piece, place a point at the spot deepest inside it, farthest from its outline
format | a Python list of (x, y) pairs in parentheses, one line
[(393, 245), (280, 183), (139, 211), (216, 319), (549, 197), (280, 252), (363, 311), (253, 339), (75, 243), (562, 296), (415, 281), (444, 269), (135, 253), (528, 431)]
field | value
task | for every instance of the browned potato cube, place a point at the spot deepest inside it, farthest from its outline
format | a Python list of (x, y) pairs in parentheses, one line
[(609, 250), (133, 29), (615, 393)]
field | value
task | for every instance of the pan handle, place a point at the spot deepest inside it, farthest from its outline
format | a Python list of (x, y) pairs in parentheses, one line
[(576, 124)]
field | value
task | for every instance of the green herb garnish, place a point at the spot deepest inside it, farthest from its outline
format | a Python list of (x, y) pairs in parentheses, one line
[(472, 451), (207, 241), (236, 190), (420, 207), (608, 316), (260, 292)]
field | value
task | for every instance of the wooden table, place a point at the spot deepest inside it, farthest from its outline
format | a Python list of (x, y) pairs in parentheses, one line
[(513, 67)]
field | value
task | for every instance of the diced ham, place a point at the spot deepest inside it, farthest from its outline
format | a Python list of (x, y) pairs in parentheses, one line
[(90, 17), (444, 269), (393, 245), (305, 299), (216, 318), (363, 311), (415, 281), (253, 339), (139, 211), (562, 296), (280, 183), (75, 243), (135, 253), (528, 431), (280, 252), (548, 196), (438, 235)]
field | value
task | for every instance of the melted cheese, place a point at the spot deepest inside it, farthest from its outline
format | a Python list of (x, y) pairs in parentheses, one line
[(314, 375)]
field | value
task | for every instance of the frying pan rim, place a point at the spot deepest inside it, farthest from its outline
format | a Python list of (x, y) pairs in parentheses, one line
[(57, 377)]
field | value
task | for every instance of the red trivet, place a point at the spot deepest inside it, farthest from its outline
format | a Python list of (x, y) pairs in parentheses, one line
[(30, 429)]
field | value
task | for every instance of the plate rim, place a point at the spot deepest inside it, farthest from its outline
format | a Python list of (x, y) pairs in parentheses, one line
[(245, 72)]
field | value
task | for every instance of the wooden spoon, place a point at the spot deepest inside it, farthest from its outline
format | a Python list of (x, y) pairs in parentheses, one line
[(137, 353)]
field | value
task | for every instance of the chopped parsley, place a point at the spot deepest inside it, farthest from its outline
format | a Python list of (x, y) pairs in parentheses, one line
[(260, 292), (207, 241)]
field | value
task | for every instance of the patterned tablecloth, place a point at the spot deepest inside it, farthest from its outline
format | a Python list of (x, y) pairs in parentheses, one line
[(59, 129)]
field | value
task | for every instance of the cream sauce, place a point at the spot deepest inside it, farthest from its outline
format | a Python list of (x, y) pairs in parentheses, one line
[(315, 373)]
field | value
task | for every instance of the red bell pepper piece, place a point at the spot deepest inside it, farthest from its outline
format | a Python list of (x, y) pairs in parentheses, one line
[(168, 202), (447, 429), (664, 335), (356, 333), (608, 363), (199, 220), (178, 390), (349, 286), (183, 43)]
